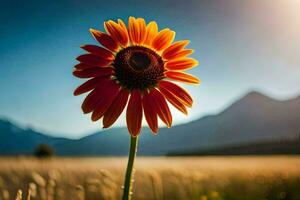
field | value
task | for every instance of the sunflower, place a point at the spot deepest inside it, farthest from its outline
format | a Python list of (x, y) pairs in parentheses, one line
[(135, 66)]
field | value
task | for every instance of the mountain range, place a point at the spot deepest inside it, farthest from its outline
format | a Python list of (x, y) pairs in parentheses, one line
[(254, 118)]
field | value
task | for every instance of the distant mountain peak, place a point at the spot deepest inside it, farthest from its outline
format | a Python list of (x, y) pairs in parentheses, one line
[(255, 95), (250, 99), (258, 97)]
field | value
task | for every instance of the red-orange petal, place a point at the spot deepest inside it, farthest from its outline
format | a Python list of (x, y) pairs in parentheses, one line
[(90, 101), (99, 51), (133, 30), (134, 113), (137, 30), (151, 32), (88, 85), (117, 32), (173, 100), (172, 50), (115, 109), (180, 93), (161, 107), (92, 98), (181, 64), (83, 66), (163, 39), (93, 72), (94, 60), (182, 77), (142, 30), (110, 90), (122, 24), (105, 40), (150, 112), (182, 53)]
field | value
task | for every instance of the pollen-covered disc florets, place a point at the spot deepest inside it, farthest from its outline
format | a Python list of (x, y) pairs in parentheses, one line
[(138, 67)]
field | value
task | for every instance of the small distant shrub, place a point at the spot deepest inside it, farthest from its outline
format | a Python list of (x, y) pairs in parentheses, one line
[(43, 151)]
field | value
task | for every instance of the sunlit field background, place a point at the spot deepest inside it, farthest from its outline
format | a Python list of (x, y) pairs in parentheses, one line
[(176, 178)]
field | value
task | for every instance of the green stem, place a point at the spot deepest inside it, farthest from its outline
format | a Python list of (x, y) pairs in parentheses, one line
[(129, 171)]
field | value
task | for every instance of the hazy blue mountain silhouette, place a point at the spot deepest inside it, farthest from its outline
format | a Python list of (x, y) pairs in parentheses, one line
[(15, 140), (253, 118)]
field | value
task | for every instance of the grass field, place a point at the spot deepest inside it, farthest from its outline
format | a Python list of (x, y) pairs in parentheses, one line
[(178, 178)]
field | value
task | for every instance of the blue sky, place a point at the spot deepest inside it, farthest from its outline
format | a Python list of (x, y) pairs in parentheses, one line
[(241, 46)]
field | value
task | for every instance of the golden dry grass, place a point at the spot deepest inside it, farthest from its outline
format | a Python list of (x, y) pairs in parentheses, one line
[(157, 178)]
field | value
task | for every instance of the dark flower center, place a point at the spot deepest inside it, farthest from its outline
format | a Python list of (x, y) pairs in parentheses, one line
[(138, 67), (139, 61)]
